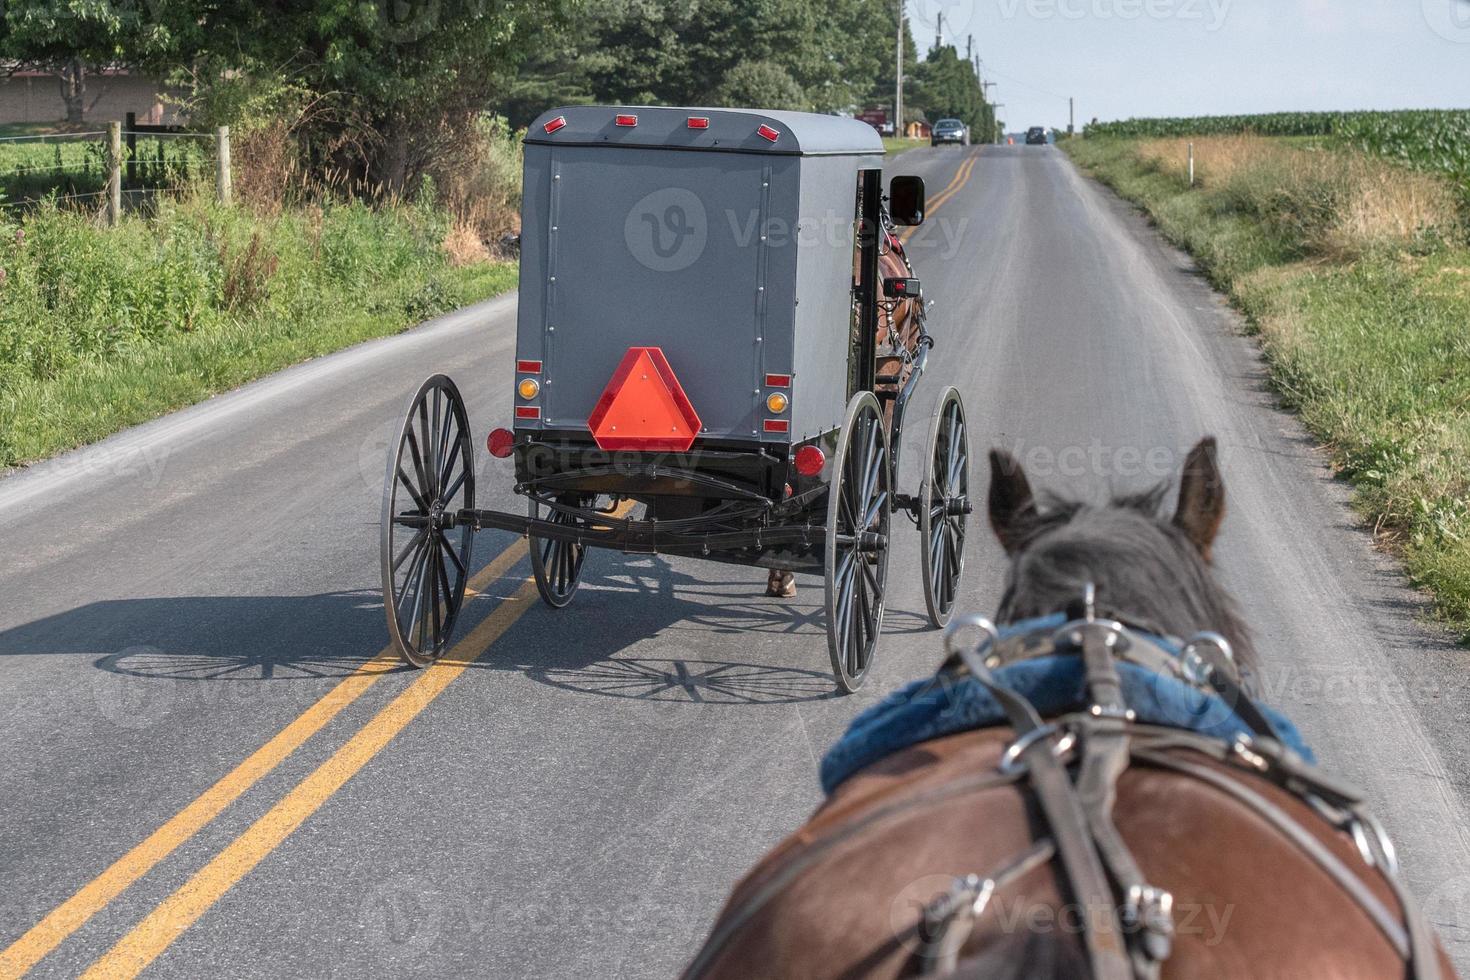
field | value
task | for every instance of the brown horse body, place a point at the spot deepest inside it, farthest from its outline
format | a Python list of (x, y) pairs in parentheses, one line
[(1247, 902), (845, 896)]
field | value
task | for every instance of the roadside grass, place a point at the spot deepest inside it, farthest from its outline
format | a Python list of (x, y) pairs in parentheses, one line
[(1356, 276), (104, 328), (66, 166), (899, 144)]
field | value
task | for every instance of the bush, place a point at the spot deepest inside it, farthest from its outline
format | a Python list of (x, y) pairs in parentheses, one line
[(239, 293), (477, 176)]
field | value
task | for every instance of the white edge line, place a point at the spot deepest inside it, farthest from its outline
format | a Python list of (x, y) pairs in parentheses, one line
[(53, 475)]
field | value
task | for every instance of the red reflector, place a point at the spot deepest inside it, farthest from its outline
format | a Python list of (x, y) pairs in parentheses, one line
[(769, 132), (528, 367), (778, 425), (778, 381), (552, 125), (627, 120), (810, 460), (527, 412), (500, 442), (644, 407), (699, 122)]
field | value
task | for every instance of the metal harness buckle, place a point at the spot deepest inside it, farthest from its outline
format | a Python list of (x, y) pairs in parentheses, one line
[(1010, 760), (1150, 910), (1373, 841), (969, 895)]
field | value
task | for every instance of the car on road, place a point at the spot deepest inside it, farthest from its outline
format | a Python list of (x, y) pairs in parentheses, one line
[(1036, 136), (949, 131)]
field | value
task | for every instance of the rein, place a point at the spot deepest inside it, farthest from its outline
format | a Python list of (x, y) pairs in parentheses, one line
[(1134, 936)]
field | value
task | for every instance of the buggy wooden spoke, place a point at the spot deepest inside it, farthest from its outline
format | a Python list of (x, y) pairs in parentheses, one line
[(944, 506), (430, 481), (411, 547)]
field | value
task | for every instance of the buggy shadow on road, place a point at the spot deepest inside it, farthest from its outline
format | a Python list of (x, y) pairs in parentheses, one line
[(648, 603), (656, 605), (212, 638)]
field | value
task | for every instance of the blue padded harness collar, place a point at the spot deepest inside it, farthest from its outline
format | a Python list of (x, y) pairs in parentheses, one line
[(943, 705)]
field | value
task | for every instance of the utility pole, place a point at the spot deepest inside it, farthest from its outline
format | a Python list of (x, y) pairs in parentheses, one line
[(939, 32), (969, 47), (1071, 116), (898, 77)]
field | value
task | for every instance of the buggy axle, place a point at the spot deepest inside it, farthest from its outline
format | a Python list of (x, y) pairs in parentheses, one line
[(956, 506), (651, 537)]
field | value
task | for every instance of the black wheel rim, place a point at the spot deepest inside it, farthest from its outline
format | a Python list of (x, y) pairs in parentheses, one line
[(943, 520), (859, 506), (557, 565), (425, 552)]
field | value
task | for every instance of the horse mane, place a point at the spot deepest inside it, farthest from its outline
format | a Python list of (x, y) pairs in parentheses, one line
[(1145, 568)]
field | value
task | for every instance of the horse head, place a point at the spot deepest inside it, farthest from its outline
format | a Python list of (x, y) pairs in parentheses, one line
[(1151, 571)]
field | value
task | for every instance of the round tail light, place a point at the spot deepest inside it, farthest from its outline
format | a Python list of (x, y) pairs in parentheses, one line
[(810, 460), (500, 443)]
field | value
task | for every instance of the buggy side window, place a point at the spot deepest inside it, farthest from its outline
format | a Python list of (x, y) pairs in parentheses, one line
[(862, 329)]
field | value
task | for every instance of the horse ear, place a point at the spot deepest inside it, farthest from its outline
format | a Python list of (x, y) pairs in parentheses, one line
[(1201, 496), (1012, 506)]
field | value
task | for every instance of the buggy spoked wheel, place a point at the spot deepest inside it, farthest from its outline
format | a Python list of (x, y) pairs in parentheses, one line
[(859, 505), (557, 564), (944, 508), (425, 553)]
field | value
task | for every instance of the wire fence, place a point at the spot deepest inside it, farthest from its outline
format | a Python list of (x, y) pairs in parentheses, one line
[(121, 168)]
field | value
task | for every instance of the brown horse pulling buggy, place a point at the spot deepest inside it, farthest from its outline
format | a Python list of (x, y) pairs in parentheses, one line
[(1077, 792), (710, 327)]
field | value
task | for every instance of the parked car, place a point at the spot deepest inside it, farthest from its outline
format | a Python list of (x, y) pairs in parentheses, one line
[(949, 131), (1036, 136)]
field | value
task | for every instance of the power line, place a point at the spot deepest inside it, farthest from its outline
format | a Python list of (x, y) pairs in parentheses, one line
[(990, 69)]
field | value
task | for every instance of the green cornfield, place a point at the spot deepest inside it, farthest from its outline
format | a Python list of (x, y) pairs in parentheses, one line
[(1429, 139)]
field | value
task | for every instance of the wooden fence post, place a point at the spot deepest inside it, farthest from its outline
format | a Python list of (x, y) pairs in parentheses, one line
[(222, 164), (114, 172), (130, 124)]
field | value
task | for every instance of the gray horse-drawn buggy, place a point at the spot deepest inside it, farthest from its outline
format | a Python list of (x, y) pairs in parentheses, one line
[(716, 322)]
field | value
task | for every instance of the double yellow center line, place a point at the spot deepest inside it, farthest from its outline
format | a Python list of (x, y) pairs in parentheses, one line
[(956, 184), (181, 909)]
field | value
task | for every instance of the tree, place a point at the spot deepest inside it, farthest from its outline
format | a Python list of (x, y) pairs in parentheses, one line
[(948, 89), (72, 38), (814, 55), (760, 83)]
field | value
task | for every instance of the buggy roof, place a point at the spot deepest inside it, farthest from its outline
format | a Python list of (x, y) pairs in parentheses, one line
[(728, 130)]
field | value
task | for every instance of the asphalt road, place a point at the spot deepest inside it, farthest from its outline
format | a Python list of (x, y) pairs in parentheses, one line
[(188, 608)]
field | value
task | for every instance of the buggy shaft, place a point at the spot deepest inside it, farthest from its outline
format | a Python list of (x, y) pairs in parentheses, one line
[(646, 537)]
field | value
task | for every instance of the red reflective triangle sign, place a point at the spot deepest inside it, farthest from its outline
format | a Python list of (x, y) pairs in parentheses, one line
[(644, 407)]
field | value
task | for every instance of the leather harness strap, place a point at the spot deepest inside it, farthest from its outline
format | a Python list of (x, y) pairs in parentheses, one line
[(1079, 815), (1062, 808), (1105, 755), (949, 920)]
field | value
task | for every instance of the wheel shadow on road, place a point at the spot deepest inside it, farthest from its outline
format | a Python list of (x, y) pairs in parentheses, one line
[(213, 638), (647, 629), (639, 628)]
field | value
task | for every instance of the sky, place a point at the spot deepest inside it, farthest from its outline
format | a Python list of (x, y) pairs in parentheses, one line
[(1122, 58)]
